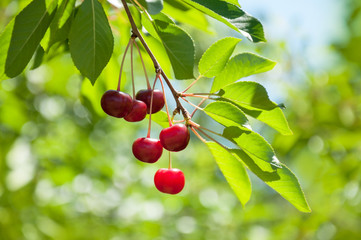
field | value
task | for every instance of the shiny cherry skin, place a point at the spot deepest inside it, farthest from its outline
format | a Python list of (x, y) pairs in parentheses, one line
[(147, 150), (175, 138), (116, 104), (169, 180), (145, 95), (138, 113)]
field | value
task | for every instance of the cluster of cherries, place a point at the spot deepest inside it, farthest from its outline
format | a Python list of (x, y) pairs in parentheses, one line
[(174, 138)]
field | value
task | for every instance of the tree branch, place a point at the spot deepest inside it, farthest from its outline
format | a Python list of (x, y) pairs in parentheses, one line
[(157, 67)]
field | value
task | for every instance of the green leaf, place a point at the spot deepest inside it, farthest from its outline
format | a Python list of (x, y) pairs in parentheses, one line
[(5, 39), (216, 56), (91, 39), (233, 170), (231, 15), (235, 2), (282, 180), (152, 6), (29, 28), (241, 65), (226, 114), (38, 58), (253, 144), (65, 11), (253, 100), (273, 117), (189, 16), (179, 47), (160, 118)]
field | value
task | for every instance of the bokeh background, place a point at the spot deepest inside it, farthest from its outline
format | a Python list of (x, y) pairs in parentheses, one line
[(67, 172)]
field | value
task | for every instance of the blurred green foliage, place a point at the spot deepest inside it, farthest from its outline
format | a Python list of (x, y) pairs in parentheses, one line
[(67, 172)]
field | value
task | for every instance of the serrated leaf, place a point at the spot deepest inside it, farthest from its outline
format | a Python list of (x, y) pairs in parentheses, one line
[(253, 144), (226, 114), (152, 6), (216, 56), (233, 170), (29, 28), (179, 47), (253, 100), (282, 180), (231, 15), (91, 39), (241, 65)]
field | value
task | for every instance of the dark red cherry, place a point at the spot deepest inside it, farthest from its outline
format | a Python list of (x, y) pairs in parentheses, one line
[(147, 150), (145, 96), (138, 113), (175, 138), (169, 180), (116, 104)]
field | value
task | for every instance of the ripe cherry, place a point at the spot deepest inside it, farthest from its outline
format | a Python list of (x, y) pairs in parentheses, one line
[(147, 150), (138, 113), (116, 104), (169, 180), (145, 95), (175, 138)]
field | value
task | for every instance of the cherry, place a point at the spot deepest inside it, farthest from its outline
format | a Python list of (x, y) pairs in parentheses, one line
[(147, 150), (145, 95), (138, 113), (175, 138), (169, 180), (116, 104)]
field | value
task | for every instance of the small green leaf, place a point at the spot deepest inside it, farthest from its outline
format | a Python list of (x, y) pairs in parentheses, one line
[(216, 56), (226, 114), (160, 118), (179, 46), (231, 15), (252, 143), (241, 65), (250, 95), (233, 170), (253, 100), (152, 6), (91, 39), (282, 180), (29, 28)]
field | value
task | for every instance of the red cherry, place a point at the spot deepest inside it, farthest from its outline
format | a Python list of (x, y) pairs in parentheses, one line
[(147, 150), (145, 95), (138, 113), (169, 180), (116, 104), (175, 138)]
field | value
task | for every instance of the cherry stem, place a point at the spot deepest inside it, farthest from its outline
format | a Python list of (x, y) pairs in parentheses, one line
[(165, 101), (197, 134), (193, 95), (170, 161), (150, 110), (194, 82), (197, 107), (121, 65), (211, 138), (141, 58), (154, 60), (199, 104), (131, 65)]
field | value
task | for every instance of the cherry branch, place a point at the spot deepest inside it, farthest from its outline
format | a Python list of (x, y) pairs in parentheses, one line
[(157, 67)]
